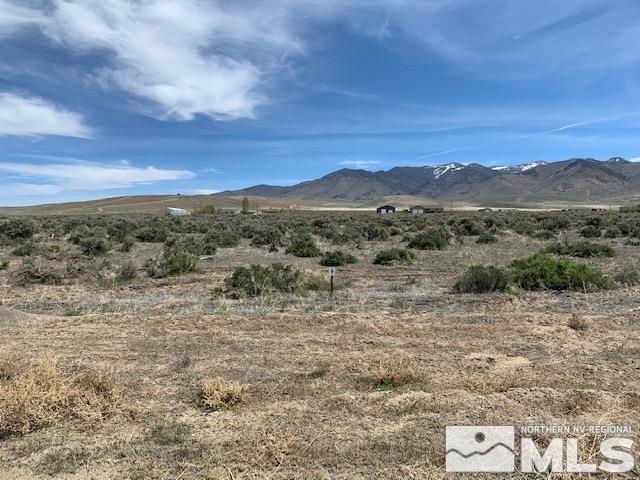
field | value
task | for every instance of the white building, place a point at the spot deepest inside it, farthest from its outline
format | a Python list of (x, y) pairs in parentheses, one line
[(177, 212)]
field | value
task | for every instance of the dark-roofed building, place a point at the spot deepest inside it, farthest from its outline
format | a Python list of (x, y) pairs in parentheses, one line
[(420, 209), (386, 209)]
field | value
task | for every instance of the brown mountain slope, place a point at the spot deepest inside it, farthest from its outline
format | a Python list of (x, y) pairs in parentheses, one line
[(575, 180)]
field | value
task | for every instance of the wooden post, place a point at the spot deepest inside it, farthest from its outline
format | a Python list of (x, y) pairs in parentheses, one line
[(332, 273)]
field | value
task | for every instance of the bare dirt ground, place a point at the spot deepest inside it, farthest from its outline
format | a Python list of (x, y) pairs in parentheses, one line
[(361, 385)]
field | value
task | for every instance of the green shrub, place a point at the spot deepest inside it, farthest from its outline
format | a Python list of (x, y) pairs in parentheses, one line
[(435, 239), (543, 234), (468, 227), (303, 246), (270, 235), (25, 250), (337, 258), (613, 232), (152, 233), (258, 280), (205, 210), (222, 238), (523, 228), (556, 223), (594, 221), (374, 232), (127, 244), (394, 256), (194, 244), (4, 264), (483, 279), (180, 262), (590, 231), (127, 271), (541, 272), (93, 241), (119, 228), (171, 264), (487, 238), (581, 249), (17, 228), (95, 245)]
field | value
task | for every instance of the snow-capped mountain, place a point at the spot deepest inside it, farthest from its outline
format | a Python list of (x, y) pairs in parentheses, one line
[(567, 179), (443, 169), (523, 167)]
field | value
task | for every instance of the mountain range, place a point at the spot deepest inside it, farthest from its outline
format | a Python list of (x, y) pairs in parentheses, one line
[(576, 180)]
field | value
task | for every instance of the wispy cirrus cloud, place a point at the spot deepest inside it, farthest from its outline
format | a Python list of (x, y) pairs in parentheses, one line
[(68, 175), (360, 163), (220, 58), (499, 40), (30, 116), (186, 57), (204, 191), (14, 16), (554, 130)]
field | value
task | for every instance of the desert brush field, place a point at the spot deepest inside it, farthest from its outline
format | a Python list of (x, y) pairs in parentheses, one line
[(208, 346)]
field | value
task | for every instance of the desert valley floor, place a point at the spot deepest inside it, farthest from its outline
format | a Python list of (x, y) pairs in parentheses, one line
[(358, 385)]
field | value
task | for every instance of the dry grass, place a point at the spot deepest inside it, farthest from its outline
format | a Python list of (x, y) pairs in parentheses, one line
[(390, 372), (218, 393), (33, 396), (361, 385), (578, 323)]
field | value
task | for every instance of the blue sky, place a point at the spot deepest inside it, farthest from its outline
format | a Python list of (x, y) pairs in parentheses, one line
[(123, 97)]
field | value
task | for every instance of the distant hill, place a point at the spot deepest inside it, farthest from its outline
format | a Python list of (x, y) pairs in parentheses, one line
[(580, 180), (572, 182)]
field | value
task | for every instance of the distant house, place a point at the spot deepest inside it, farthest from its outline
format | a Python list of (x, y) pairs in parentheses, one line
[(177, 212), (386, 209), (485, 209), (418, 209), (598, 209), (250, 212)]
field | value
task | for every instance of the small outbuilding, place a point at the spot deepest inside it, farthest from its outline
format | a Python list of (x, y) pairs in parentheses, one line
[(177, 212), (385, 209), (486, 209), (418, 209)]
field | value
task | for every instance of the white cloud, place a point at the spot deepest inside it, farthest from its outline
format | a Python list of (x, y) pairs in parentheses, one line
[(210, 170), (634, 159), (509, 39), (28, 116), (13, 17), (217, 57), (204, 191), (30, 189), (187, 57), (74, 175), (359, 163)]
